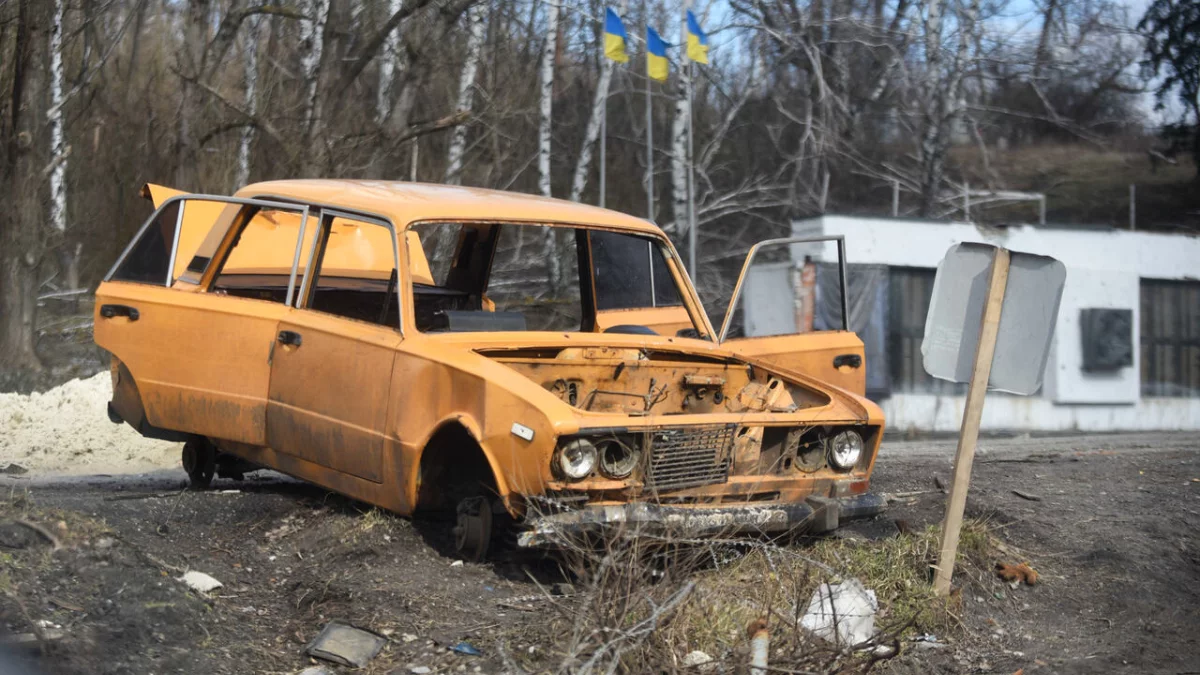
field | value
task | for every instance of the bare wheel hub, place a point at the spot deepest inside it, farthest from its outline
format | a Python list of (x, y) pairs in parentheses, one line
[(473, 528)]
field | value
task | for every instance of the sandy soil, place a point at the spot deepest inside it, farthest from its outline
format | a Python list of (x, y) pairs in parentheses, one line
[(65, 430), (1115, 533)]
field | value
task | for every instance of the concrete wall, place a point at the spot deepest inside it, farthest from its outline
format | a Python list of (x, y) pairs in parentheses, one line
[(1103, 270)]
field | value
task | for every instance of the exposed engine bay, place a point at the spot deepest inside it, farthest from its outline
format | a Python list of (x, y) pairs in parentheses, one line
[(642, 382)]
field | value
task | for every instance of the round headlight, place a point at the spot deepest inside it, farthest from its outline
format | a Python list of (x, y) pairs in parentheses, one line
[(845, 450), (617, 459), (577, 458)]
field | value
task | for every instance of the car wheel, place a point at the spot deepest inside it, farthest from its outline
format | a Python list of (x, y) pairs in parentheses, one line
[(473, 528), (200, 462)]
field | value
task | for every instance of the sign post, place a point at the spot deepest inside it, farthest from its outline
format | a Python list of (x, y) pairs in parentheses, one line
[(964, 456), (990, 324)]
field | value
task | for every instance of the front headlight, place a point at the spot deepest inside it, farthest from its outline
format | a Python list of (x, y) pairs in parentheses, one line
[(845, 450), (577, 459), (617, 458)]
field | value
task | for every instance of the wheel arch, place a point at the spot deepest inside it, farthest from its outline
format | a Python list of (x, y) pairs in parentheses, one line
[(455, 441)]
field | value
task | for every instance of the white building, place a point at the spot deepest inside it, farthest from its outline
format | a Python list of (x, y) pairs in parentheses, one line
[(1155, 276)]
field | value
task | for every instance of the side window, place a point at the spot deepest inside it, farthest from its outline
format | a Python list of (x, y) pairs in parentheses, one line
[(148, 259), (356, 276), (259, 264), (631, 272)]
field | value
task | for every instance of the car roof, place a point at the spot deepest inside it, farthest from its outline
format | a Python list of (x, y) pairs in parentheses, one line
[(406, 203)]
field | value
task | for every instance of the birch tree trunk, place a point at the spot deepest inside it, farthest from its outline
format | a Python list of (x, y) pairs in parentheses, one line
[(58, 146), (312, 46), (584, 165), (679, 158), (387, 69), (549, 51), (250, 101), (466, 93), (930, 151)]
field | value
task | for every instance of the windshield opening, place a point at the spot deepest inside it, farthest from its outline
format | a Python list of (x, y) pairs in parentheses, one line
[(477, 277)]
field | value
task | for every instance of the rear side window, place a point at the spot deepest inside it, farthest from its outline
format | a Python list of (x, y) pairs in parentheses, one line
[(149, 259), (631, 273)]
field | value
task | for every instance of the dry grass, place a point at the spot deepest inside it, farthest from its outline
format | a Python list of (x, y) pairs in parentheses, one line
[(647, 602)]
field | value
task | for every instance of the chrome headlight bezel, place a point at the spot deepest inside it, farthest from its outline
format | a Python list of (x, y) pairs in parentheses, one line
[(576, 459), (845, 450)]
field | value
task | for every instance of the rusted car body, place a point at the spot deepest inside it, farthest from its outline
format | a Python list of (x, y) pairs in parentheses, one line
[(413, 347)]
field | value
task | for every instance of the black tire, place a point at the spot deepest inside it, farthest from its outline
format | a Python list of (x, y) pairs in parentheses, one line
[(200, 462), (473, 529)]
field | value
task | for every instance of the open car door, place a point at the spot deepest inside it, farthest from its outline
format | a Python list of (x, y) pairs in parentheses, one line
[(833, 356)]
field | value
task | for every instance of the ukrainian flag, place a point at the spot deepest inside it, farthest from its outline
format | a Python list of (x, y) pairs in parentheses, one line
[(697, 40), (615, 37), (656, 56)]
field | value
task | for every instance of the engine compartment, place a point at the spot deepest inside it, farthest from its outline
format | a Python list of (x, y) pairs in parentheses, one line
[(630, 381)]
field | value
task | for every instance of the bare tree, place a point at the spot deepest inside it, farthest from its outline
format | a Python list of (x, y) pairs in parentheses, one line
[(466, 93)]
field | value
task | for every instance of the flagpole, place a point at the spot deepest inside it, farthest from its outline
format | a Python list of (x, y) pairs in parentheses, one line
[(603, 143), (649, 150), (691, 183)]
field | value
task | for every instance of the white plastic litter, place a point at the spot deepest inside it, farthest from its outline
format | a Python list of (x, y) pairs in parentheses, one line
[(843, 614), (201, 582), (695, 658)]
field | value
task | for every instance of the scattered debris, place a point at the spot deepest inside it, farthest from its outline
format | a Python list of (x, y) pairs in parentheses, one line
[(695, 659), (19, 534), (408, 637), (420, 670), (200, 582), (456, 563), (346, 645), (14, 469), (1027, 495), (938, 483), (465, 648), (760, 646), (843, 614), (26, 640), (1022, 572), (317, 670)]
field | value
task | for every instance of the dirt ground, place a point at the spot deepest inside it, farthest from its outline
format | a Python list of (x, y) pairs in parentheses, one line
[(1110, 523)]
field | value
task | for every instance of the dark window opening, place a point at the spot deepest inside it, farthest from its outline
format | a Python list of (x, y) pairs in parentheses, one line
[(150, 256), (910, 289), (1170, 338)]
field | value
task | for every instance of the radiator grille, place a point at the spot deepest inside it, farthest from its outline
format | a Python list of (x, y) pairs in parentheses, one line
[(686, 457)]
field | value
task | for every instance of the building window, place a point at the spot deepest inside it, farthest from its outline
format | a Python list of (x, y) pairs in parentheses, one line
[(910, 290), (1170, 338)]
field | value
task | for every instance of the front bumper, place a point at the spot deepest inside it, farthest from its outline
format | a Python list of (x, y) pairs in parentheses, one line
[(817, 514)]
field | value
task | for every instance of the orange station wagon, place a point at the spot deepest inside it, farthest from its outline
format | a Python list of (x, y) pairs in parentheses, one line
[(414, 346)]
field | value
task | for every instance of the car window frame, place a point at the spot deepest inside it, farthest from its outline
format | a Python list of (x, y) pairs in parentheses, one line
[(683, 282), (244, 202), (320, 239)]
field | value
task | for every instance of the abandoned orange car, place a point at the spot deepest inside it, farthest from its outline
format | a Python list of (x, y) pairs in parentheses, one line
[(517, 361)]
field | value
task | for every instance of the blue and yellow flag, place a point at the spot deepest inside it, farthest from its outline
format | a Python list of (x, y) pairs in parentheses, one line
[(615, 37), (656, 56), (697, 40)]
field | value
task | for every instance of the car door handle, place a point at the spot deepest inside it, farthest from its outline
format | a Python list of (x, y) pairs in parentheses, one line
[(289, 337), (852, 360), (109, 311)]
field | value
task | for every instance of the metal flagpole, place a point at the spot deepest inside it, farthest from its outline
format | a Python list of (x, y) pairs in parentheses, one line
[(649, 148), (603, 139), (691, 180)]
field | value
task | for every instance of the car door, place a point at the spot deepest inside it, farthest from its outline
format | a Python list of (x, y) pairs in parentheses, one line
[(333, 355), (193, 359), (833, 356)]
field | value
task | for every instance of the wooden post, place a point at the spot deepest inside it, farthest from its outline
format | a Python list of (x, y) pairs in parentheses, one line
[(969, 434)]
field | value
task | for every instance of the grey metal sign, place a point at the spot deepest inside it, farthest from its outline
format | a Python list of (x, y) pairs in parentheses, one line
[(1031, 300)]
